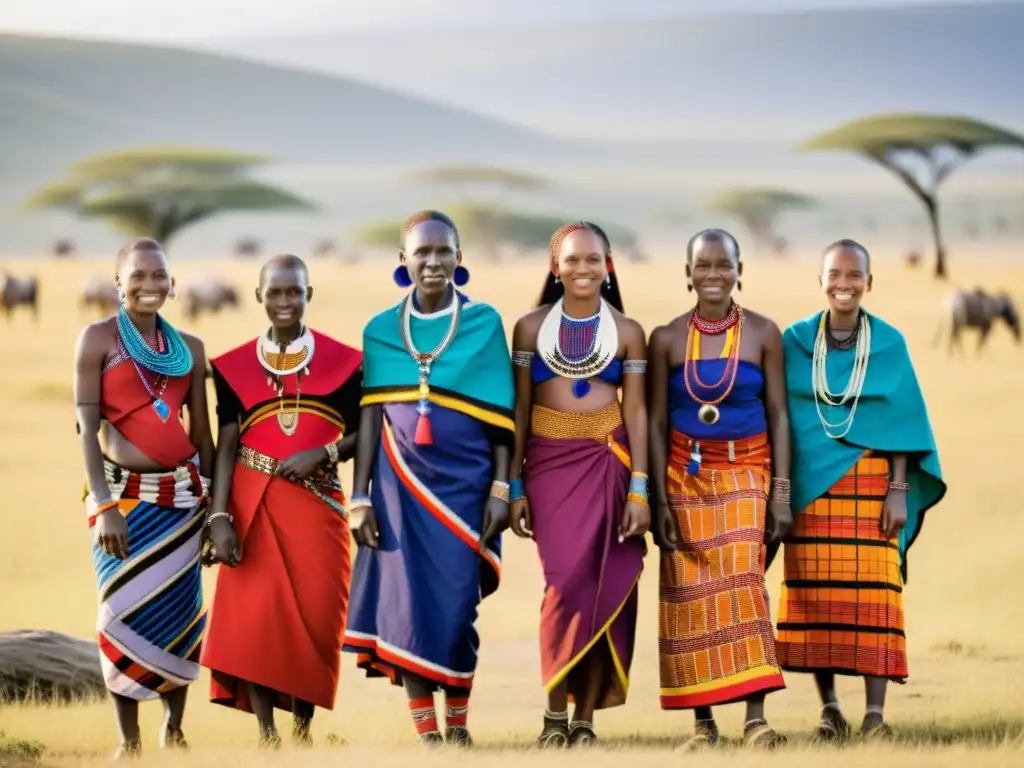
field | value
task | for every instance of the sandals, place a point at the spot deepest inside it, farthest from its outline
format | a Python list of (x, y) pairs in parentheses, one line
[(703, 738), (760, 735), (582, 735), (555, 735), (432, 739), (458, 736), (877, 732), (832, 729)]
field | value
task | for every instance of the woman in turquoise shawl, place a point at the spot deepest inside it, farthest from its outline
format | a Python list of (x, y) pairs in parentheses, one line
[(865, 471), (431, 481)]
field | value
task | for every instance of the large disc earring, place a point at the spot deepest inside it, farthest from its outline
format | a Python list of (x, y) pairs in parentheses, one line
[(460, 276), (402, 277)]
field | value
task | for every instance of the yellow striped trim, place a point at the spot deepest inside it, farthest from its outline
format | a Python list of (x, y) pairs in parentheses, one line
[(289, 404), (723, 682), (445, 401), (603, 632)]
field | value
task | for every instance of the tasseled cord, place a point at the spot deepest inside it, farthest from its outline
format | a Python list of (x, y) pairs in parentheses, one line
[(693, 467), (424, 435)]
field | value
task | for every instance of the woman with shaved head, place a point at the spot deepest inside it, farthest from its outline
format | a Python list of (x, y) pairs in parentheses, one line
[(431, 481), (288, 406), (866, 469), (148, 470), (720, 469)]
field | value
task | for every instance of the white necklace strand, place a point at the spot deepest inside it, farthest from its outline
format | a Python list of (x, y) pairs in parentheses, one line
[(854, 386), (606, 344), (297, 354)]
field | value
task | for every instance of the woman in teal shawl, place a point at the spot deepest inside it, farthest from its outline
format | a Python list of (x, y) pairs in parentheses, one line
[(865, 471), (431, 481)]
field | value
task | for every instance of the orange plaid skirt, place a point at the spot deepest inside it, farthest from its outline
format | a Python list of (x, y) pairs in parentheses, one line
[(842, 598), (715, 639)]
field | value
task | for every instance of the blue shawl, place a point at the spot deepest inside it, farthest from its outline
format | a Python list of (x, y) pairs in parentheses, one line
[(891, 418), (473, 375)]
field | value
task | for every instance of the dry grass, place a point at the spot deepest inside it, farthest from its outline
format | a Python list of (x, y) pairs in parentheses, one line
[(963, 700)]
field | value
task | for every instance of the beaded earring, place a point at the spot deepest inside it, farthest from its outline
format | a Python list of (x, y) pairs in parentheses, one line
[(460, 276), (120, 294), (170, 293), (402, 277)]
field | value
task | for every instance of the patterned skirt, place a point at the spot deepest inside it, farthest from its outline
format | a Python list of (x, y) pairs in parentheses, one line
[(842, 598)]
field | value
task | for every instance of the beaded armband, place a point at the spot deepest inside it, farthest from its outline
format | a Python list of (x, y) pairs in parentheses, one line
[(500, 490), (781, 490), (894, 486), (522, 359), (638, 489), (359, 502), (634, 366), (516, 489), (332, 452)]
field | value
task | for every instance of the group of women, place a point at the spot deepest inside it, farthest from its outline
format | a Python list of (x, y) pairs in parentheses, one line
[(711, 434)]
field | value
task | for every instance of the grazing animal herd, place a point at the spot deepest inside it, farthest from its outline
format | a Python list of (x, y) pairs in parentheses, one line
[(207, 295), (977, 310)]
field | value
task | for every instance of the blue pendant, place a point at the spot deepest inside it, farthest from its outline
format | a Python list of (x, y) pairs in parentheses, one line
[(580, 387), (161, 409)]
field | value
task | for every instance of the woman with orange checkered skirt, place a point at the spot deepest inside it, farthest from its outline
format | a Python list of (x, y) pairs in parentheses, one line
[(865, 471)]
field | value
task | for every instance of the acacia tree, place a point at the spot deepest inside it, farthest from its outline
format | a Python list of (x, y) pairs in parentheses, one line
[(922, 150), (479, 189), (758, 209), (158, 192)]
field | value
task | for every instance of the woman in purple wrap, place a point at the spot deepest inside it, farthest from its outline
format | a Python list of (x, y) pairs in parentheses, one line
[(578, 481)]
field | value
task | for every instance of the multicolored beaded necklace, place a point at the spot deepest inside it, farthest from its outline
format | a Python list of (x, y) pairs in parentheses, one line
[(732, 326), (170, 358), (578, 348)]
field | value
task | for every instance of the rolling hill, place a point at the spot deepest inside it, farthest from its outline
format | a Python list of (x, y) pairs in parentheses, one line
[(749, 75)]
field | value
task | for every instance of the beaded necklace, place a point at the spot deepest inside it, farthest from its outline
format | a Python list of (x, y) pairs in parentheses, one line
[(576, 348), (170, 358), (295, 358), (423, 434), (709, 413), (855, 384)]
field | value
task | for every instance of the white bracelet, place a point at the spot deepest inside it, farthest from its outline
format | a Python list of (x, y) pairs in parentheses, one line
[(215, 515)]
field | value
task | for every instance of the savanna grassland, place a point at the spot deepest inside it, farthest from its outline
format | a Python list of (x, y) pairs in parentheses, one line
[(963, 702)]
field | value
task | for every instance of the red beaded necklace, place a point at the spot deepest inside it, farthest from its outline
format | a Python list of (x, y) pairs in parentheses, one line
[(714, 327)]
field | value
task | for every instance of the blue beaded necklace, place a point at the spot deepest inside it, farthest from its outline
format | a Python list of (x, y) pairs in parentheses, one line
[(175, 362)]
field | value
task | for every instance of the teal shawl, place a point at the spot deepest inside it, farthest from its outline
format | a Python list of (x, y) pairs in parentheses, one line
[(474, 375), (891, 418)]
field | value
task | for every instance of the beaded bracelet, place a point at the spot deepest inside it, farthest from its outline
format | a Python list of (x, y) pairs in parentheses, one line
[(636, 498), (332, 452), (359, 502), (100, 509), (894, 486), (638, 485), (500, 490), (515, 489)]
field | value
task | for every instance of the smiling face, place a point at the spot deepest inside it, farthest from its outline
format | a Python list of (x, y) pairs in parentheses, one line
[(285, 291), (431, 254), (582, 263), (145, 278), (845, 277), (714, 269)]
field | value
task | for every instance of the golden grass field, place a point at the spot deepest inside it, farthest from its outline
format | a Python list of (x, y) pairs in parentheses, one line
[(964, 700)]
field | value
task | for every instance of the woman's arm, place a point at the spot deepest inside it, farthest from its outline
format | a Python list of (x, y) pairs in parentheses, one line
[(89, 355), (199, 431), (777, 407), (898, 468), (634, 397), (657, 414), (229, 412), (524, 341), (367, 442), (347, 400)]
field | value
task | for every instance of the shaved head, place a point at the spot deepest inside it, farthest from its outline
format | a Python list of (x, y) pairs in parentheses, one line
[(285, 261)]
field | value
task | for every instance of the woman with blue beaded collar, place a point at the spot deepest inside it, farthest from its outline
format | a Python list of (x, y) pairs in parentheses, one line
[(571, 488), (147, 490)]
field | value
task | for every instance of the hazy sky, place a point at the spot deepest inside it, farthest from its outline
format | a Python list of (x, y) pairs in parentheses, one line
[(203, 19)]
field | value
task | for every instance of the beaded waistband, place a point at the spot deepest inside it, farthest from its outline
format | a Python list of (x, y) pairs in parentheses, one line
[(180, 488), (596, 425), (323, 483)]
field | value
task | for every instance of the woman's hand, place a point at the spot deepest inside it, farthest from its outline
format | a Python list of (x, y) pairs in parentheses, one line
[(301, 465), (112, 533)]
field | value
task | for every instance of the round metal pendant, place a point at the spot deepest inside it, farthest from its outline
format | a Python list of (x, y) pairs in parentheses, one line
[(708, 414)]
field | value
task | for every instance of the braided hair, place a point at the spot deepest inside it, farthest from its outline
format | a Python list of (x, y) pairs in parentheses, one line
[(553, 289), (430, 215)]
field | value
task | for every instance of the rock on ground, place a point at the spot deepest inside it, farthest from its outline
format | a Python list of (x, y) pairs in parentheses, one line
[(48, 666)]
